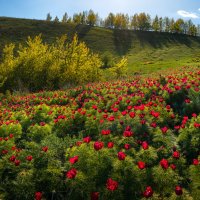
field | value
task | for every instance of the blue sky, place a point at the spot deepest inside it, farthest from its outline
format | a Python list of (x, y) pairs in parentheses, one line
[(37, 9)]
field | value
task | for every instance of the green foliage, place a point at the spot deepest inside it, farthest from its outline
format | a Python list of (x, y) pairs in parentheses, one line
[(38, 65), (119, 70)]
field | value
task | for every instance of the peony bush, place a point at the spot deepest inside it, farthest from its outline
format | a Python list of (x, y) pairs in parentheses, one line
[(131, 139)]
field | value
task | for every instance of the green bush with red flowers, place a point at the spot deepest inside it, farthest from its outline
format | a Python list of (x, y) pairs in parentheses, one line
[(131, 139)]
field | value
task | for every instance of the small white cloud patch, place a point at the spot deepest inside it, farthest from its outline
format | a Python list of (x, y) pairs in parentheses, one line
[(184, 13)]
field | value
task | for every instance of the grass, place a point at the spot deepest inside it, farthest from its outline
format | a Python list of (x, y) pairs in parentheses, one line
[(146, 51)]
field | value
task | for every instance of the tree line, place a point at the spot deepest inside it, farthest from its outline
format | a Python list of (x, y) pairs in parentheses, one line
[(141, 21)]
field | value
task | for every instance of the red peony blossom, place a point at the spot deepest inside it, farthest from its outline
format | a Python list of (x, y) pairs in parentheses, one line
[(111, 184), (153, 125), (38, 195), (71, 174), (42, 123), (12, 158), (178, 190), (194, 115), (148, 192), (45, 149), (105, 132), (141, 165), (94, 195), (164, 129), (132, 114), (127, 146), (124, 112), (111, 118), (73, 159), (176, 154), (17, 162), (87, 139), (98, 145), (195, 162), (173, 166), (78, 143), (121, 155), (127, 133), (29, 158), (110, 145), (145, 145), (164, 163)]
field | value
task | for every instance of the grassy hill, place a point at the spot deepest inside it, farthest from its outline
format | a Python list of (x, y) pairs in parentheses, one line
[(146, 51)]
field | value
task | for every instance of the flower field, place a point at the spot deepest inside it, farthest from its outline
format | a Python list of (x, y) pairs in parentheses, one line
[(125, 140)]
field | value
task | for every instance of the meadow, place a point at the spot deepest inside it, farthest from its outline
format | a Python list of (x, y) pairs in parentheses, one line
[(136, 138)]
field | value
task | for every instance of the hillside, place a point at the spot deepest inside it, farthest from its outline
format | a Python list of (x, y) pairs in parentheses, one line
[(146, 51)]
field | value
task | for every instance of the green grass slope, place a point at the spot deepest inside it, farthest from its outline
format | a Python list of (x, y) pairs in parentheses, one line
[(146, 51)]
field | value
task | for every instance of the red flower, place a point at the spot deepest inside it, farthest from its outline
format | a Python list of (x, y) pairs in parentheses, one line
[(164, 129), (176, 155), (71, 174), (148, 192), (42, 123), (178, 190), (195, 161), (141, 165), (38, 195), (73, 159), (12, 158), (98, 145), (127, 133), (132, 114), (17, 162), (111, 184), (94, 195), (153, 125), (145, 145), (110, 145), (29, 158), (105, 132), (78, 143), (127, 146), (45, 149), (124, 112), (111, 118), (121, 155), (173, 166), (87, 139), (164, 163)]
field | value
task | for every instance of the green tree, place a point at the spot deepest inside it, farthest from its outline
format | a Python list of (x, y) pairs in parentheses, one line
[(134, 22), (77, 18), (166, 24), (110, 20), (91, 18), (49, 18), (155, 24), (56, 20), (144, 22), (65, 18), (179, 26)]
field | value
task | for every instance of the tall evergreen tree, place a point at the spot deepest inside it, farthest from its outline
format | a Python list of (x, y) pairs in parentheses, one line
[(155, 24), (65, 17), (49, 17), (56, 20)]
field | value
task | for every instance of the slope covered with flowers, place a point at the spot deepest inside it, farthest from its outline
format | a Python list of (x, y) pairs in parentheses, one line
[(129, 139)]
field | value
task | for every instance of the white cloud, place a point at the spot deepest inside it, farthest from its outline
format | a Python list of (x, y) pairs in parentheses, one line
[(199, 9), (184, 13)]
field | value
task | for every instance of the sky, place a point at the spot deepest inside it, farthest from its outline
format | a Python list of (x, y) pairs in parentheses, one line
[(38, 9)]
